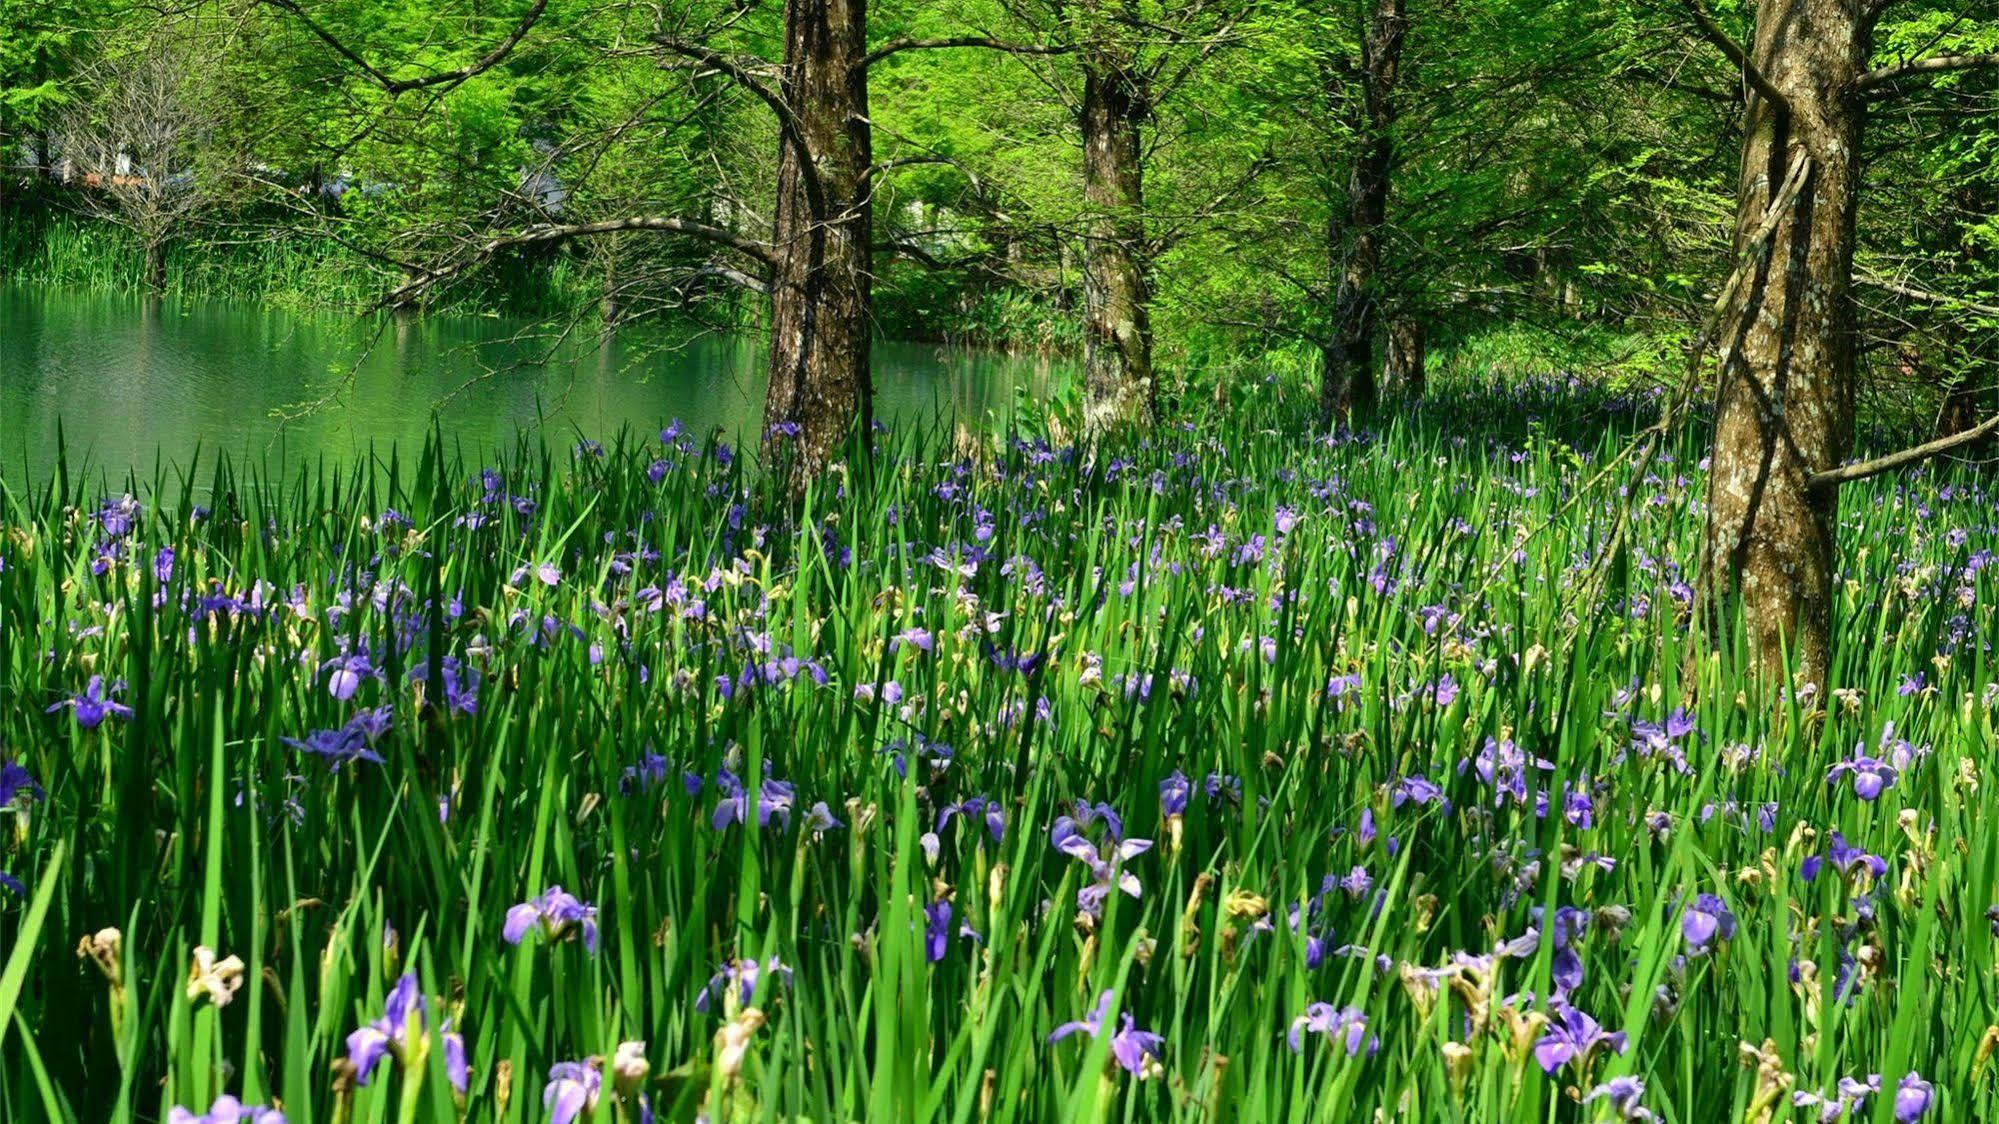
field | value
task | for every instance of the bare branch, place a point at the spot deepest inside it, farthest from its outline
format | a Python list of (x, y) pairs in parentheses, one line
[(1935, 64), (740, 69), (395, 86), (1926, 296), (1737, 57), (1847, 473), (541, 235), (897, 46)]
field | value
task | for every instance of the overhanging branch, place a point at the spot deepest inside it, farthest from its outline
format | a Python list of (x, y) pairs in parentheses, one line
[(542, 235), (1926, 296), (394, 86), (897, 46), (1847, 473), (1737, 57), (1935, 64)]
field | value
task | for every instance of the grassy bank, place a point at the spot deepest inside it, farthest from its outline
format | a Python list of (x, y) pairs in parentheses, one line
[(41, 243), (1350, 774), (50, 246)]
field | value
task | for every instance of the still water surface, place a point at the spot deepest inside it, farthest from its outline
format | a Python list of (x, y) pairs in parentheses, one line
[(130, 380)]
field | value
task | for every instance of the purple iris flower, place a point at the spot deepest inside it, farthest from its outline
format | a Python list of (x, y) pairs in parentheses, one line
[(1342, 690), (354, 741), (12, 884), (976, 808), (1357, 882), (118, 517), (227, 1110), (1106, 861), (15, 780), (455, 1067), (819, 819), (1566, 965), (396, 1034), (650, 770), (1578, 809), (1337, 1024), (1417, 789), (1871, 775), (1445, 691), (1623, 1094), (337, 747), (937, 930), (1848, 860), (919, 638), (93, 705), (560, 913), (1706, 919), (345, 673), (1573, 1036), (1136, 1051), (1850, 1094), (1913, 1097), (571, 1091), (775, 798), (1173, 794), (1664, 739), (737, 981), (1504, 765), (461, 684)]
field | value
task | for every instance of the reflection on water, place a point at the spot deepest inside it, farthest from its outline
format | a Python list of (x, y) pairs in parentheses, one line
[(132, 381)]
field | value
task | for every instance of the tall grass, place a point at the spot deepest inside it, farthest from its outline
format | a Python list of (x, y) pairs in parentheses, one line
[(252, 261), (1355, 651)]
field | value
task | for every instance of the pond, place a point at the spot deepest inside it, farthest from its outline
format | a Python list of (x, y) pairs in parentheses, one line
[(133, 382)]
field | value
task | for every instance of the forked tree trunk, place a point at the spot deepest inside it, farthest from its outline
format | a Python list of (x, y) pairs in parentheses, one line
[(1404, 368), (1118, 385), (821, 290), (1346, 377), (1785, 400)]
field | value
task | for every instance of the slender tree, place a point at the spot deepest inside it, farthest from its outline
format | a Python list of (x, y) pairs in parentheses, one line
[(1347, 378), (1127, 63)]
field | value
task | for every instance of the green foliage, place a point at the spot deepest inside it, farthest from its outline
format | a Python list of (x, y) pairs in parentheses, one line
[(1569, 165)]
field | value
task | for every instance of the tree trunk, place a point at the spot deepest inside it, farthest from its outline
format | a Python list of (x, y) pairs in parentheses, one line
[(1963, 405), (1346, 379), (1966, 387), (821, 291), (1406, 346), (607, 299), (156, 266), (1118, 384), (1785, 400)]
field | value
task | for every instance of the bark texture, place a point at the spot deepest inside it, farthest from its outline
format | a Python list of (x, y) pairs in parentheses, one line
[(156, 267), (1118, 385), (1786, 396), (1407, 343), (822, 283), (1346, 378)]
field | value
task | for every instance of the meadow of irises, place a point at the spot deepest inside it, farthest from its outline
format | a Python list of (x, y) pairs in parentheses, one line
[(1239, 773)]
